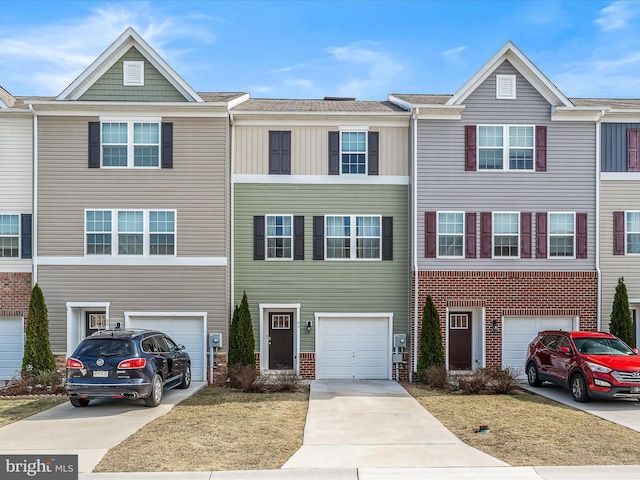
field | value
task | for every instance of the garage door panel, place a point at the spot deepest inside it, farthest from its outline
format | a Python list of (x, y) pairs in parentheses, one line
[(11, 347)]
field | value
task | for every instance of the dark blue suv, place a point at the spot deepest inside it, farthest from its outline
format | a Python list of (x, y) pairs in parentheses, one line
[(126, 364)]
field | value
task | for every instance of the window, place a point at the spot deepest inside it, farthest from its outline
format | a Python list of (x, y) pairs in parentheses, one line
[(450, 234), (632, 229), (513, 150), (131, 144), (137, 232), (561, 234), (353, 152), (279, 236), (341, 236), (459, 321), (9, 236), (506, 234)]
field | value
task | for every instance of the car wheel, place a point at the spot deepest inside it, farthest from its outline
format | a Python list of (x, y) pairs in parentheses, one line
[(155, 397), (186, 378), (532, 375), (579, 388), (79, 402)]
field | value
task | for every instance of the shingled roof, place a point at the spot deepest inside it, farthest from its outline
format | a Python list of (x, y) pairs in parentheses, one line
[(336, 105)]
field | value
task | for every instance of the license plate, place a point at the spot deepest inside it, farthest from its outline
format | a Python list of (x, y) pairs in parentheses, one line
[(100, 373), (635, 389)]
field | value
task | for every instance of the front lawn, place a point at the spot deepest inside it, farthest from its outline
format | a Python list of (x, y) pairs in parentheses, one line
[(13, 409)]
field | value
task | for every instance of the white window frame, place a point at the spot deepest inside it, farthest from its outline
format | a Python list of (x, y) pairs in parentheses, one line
[(493, 236), (127, 67), (439, 234), (266, 238), (454, 323), (146, 233), (549, 235), (627, 232), (505, 148), (505, 80), (18, 236), (365, 131), (131, 121), (353, 239)]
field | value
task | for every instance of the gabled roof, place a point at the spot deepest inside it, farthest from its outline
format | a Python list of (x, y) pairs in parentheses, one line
[(526, 68), (6, 99), (267, 105), (111, 55)]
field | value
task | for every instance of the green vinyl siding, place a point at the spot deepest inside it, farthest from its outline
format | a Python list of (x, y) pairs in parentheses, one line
[(320, 285), (156, 87)]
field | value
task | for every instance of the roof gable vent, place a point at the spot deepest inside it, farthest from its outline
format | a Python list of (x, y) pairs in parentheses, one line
[(506, 87), (133, 74)]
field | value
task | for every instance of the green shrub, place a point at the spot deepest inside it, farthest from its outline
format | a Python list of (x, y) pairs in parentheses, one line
[(431, 351), (621, 325), (242, 344), (37, 349)]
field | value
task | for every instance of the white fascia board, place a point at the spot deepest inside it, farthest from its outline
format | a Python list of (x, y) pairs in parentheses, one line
[(3, 105), (322, 179), (131, 260), (401, 103), (174, 109), (509, 52), (621, 116), (108, 58), (237, 101), (440, 112), (577, 114)]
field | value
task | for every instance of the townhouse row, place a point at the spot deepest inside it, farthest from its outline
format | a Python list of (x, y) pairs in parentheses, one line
[(133, 200)]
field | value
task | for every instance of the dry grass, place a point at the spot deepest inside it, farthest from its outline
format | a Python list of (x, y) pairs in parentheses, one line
[(216, 429), (13, 409), (526, 429)]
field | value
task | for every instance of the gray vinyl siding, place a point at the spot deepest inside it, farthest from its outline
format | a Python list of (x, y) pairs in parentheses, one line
[(320, 285), (196, 186), (110, 86), (614, 146), (568, 185), (150, 289), (617, 196)]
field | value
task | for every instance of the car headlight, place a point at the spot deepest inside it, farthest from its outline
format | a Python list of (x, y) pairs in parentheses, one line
[(598, 368)]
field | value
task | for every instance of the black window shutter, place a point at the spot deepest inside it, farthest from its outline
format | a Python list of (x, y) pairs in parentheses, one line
[(373, 153), (470, 148), (26, 236), (334, 153), (470, 235), (430, 234), (94, 144), (387, 238), (279, 153), (486, 234), (167, 145), (318, 238), (298, 238), (541, 235), (525, 235), (258, 237)]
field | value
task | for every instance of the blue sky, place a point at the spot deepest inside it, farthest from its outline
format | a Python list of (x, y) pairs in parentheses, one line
[(312, 49)]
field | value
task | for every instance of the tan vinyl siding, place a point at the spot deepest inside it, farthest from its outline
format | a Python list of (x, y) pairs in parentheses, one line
[(322, 286), (195, 186), (150, 289), (617, 196), (16, 159), (309, 149), (568, 185), (110, 86)]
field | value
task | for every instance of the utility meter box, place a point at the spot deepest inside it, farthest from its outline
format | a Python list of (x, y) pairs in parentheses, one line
[(400, 340), (215, 340)]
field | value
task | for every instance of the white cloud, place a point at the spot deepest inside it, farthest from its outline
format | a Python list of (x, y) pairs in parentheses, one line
[(618, 15), (454, 51), (302, 83)]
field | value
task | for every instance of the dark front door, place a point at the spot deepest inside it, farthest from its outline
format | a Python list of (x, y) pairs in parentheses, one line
[(460, 341), (280, 341), (94, 321)]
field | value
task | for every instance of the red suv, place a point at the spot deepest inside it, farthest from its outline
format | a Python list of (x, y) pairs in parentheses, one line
[(590, 364)]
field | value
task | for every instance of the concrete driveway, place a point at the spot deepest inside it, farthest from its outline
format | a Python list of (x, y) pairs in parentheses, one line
[(88, 432), (376, 423), (620, 411)]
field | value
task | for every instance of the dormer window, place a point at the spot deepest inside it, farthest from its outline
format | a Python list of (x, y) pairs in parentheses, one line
[(506, 87), (133, 74)]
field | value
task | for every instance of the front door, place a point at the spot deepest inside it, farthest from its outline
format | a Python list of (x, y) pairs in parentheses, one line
[(94, 321), (460, 341), (280, 341)]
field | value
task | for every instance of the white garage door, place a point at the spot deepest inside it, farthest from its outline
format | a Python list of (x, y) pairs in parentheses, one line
[(518, 332), (353, 348), (187, 331), (11, 346)]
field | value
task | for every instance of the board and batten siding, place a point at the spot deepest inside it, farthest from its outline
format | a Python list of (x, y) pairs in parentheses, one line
[(196, 186), (614, 146), (150, 289), (616, 196), (310, 151), (321, 285), (568, 185)]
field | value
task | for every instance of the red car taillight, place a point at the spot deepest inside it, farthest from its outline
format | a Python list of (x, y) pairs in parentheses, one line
[(132, 363), (73, 363)]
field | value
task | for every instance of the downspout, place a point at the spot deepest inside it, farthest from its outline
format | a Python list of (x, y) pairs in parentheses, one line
[(414, 241), (34, 200), (232, 206), (598, 270)]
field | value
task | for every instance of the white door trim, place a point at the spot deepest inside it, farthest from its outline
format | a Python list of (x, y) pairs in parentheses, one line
[(265, 309), (75, 321)]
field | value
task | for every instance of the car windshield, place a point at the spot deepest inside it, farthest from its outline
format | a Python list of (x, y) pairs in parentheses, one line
[(105, 347), (602, 346)]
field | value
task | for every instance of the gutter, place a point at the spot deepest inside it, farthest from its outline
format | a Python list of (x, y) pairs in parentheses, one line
[(414, 240)]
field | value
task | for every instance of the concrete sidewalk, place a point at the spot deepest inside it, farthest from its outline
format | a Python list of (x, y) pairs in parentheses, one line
[(376, 423)]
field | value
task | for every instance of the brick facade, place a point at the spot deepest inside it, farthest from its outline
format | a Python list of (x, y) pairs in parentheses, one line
[(510, 294), (15, 293)]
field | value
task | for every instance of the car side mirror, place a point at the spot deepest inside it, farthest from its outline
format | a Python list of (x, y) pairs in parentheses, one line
[(635, 350), (565, 350), (180, 346)]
